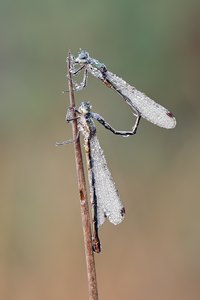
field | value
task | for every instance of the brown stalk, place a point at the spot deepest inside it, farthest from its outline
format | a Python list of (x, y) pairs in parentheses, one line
[(89, 255)]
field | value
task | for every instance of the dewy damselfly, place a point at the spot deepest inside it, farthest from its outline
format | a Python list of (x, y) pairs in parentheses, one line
[(141, 104), (105, 200)]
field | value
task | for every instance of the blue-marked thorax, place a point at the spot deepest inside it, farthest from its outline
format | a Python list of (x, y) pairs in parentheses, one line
[(97, 64)]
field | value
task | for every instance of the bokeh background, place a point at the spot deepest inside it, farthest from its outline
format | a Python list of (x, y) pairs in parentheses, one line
[(155, 253)]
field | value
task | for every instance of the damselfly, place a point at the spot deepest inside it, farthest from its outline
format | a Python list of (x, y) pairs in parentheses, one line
[(141, 104), (104, 196)]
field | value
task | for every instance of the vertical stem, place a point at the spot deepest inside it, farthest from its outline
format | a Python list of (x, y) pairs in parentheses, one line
[(89, 255)]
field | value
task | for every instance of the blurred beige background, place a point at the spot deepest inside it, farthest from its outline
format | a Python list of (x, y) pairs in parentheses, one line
[(155, 253)]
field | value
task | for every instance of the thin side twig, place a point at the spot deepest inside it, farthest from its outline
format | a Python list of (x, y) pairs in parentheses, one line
[(89, 255)]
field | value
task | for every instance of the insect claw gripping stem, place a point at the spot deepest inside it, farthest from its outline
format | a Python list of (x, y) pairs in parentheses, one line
[(68, 117)]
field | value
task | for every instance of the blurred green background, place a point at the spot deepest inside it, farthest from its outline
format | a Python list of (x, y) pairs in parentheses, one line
[(155, 253)]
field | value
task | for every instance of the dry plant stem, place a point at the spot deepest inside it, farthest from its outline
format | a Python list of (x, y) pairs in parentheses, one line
[(90, 262)]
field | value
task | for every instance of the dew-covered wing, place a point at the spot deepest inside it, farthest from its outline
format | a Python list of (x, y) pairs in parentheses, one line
[(109, 204), (148, 108)]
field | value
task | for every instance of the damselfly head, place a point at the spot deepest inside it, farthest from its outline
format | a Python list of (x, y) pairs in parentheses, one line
[(85, 107), (83, 57)]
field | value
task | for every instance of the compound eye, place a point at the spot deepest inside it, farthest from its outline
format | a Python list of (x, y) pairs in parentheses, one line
[(88, 106), (83, 55)]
